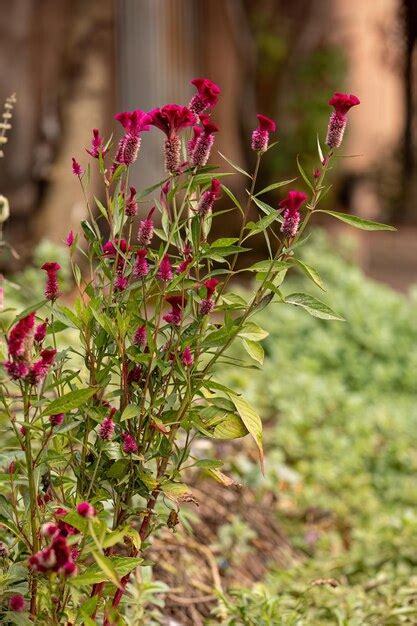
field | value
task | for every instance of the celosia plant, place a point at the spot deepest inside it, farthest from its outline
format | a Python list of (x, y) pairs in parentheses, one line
[(98, 450)]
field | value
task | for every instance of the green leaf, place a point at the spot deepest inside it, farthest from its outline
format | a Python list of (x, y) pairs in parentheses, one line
[(231, 427), (251, 420), (28, 310), (101, 207), (224, 242), (262, 224), (266, 266), (309, 271), (122, 565), (304, 175), (254, 350), (275, 186), (315, 307), (69, 401), (130, 411), (267, 208), (118, 469), (107, 568), (357, 222), (235, 167), (178, 492), (253, 332)]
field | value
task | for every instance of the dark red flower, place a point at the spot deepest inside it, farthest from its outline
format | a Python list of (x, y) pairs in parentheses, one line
[(207, 95), (130, 445), (57, 420), (208, 198), (21, 335), (171, 118), (134, 122), (40, 332), (341, 102), (165, 269), (17, 603), (51, 287), (187, 358), (291, 205), (260, 136), (112, 248), (177, 305), (131, 204), (106, 429)]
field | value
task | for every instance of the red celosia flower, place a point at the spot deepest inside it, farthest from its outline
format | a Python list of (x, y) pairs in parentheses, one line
[(85, 509), (53, 558), (211, 285), (260, 136), (112, 248), (70, 569), (172, 118), (204, 142), (140, 336), (208, 198), (183, 266), (291, 205), (49, 529), (51, 288), (20, 337), (40, 368), (165, 269), (17, 369), (40, 332), (97, 145), (120, 283), (77, 170), (69, 240), (341, 102), (141, 267), (177, 305), (131, 205), (106, 429), (57, 420), (130, 445), (207, 95), (145, 230), (65, 529), (197, 130), (135, 374), (17, 603), (187, 358), (134, 122)]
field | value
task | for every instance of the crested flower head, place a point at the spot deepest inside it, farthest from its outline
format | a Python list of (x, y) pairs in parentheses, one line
[(211, 285), (97, 145), (207, 95), (341, 102), (51, 287), (177, 303), (187, 358), (106, 429), (112, 248), (171, 118), (134, 122), (291, 205), (260, 136), (293, 200)]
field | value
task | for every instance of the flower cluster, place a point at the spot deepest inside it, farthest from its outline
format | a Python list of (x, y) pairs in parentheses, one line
[(22, 350)]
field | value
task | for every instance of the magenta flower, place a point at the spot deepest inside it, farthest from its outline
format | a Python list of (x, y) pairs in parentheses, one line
[(341, 102), (57, 420), (20, 337), (17, 603), (112, 248), (141, 266), (211, 285), (207, 304), (97, 145), (77, 170), (134, 123), (40, 332), (260, 136), (106, 429), (207, 95), (70, 238), (51, 288), (40, 368), (197, 130), (187, 358), (120, 283), (145, 230), (135, 374), (53, 558), (177, 305), (131, 208), (204, 142), (49, 529), (291, 205), (165, 269), (171, 119), (130, 445), (140, 336), (208, 198), (17, 370), (85, 509)]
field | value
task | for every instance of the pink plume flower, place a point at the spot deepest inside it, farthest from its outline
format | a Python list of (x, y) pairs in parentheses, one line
[(177, 305), (171, 119), (17, 370), (51, 287), (134, 123), (187, 358), (70, 238), (77, 170), (207, 95), (57, 420), (141, 266), (106, 429), (341, 102), (165, 269), (131, 204), (145, 230), (40, 368), (140, 336), (204, 142), (260, 136), (197, 130), (85, 509), (135, 374), (112, 248), (291, 205), (97, 145), (120, 283), (130, 445), (208, 198), (40, 332), (20, 337), (17, 603), (53, 558), (211, 285)]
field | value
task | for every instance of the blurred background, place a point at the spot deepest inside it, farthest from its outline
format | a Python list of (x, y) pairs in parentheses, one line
[(74, 63)]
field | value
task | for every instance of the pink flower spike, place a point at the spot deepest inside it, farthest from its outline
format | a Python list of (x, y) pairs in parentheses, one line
[(141, 267), (165, 269), (291, 205), (145, 230), (40, 332), (85, 509), (206, 203), (97, 145), (140, 336), (207, 95), (177, 305), (211, 285), (204, 142), (130, 445), (70, 238), (260, 136), (17, 603), (106, 429), (341, 102), (77, 170), (131, 208), (57, 420), (21, 336), (187, 358), (51, 288)]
